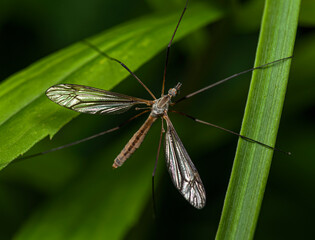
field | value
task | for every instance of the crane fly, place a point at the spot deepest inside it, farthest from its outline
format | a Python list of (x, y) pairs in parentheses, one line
[(91, 100), (97, 101)]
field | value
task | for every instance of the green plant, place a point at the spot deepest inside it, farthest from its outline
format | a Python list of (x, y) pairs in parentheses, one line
[(261, 121)]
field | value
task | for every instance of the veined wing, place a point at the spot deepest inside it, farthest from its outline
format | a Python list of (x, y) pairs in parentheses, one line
[(91, 100), (182, 170)]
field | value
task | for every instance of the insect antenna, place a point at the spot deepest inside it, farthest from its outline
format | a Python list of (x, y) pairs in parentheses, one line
[(154, 170), (229, 131), (229, 78), (122, 64), (81, 140), (169, 47)]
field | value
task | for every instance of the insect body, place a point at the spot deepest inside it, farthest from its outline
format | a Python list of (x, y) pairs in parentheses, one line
[(159, 109)]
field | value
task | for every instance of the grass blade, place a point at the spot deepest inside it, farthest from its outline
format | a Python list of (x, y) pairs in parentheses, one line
[(261, 121)]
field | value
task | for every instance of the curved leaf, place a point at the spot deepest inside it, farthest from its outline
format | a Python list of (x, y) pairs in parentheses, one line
[(27, 116)]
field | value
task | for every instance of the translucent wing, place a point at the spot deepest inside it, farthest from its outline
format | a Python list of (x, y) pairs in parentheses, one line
[(182, 170), (91, 100)]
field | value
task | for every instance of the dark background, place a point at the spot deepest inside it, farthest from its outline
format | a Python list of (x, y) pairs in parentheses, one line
[(30, 30)]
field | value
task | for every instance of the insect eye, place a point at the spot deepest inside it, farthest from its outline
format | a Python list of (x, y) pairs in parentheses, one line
[(172, 92)]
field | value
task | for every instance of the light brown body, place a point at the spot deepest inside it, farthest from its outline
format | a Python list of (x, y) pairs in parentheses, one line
[(134, 143)]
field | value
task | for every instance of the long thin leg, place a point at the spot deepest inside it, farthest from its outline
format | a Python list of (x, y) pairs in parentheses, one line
[(82, 140), (169, 47), (228, 78), (122, 64), (155, 166), (224, 129)]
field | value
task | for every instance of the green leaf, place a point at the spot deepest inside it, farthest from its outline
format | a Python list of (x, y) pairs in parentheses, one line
[(27, 116), (261, 121)]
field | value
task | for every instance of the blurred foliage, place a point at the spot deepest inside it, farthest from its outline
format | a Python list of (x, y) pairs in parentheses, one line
[(41, 189)]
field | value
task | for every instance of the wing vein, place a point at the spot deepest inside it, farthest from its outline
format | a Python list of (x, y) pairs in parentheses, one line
[(92, 100), (182, 170)]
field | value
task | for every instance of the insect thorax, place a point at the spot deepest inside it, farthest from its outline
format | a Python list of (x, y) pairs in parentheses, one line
[(160, 106)]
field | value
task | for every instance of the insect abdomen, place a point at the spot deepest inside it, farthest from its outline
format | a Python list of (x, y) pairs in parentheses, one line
[(134, 142)]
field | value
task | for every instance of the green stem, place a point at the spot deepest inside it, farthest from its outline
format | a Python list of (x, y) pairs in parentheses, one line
[(261, 121)]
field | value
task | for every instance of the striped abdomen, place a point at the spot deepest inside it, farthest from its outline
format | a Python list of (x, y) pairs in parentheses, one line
[(134, 142)]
